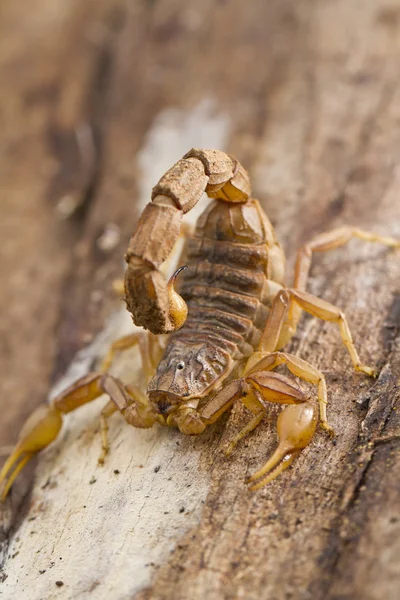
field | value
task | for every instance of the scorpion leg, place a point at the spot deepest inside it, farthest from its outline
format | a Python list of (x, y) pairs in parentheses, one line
[(109, 409), (329, 240), (130, 402), (44, 425), (280, 326), (124, 343), (148, 346), (149, 351), (251, 425)]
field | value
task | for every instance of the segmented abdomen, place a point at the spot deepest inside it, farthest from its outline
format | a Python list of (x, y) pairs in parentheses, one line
[(233, 260)]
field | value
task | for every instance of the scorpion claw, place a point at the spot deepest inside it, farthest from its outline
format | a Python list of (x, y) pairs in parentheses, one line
[(271, 473), (296, 426), (39, 431)]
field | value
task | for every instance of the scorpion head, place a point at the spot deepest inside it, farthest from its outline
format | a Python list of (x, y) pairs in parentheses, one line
[(187, 373)]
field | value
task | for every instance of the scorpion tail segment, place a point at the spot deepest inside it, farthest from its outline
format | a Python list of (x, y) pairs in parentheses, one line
[(147, 298), (296, 426), (39, 431), (146, 290), (153, 304), (227, 179), (177, 306)]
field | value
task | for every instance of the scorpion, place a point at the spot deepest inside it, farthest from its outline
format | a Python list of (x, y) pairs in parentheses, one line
[(227, 325)]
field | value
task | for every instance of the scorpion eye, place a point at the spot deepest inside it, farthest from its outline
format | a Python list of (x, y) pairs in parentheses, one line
[(180, 365)]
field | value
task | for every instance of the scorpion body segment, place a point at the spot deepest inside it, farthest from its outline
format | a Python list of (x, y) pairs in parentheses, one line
[(227, 325), (235, 269)]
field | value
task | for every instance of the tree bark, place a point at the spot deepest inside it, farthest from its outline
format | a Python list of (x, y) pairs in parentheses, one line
[(98, 100)]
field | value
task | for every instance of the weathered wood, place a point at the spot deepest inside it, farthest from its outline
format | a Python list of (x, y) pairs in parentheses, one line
[(98, 100)]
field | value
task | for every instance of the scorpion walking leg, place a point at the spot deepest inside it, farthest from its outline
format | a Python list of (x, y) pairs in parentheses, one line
[(129, 341), (329, 240), (44, 425), (251, 425), (109, 409), (149, 350), (280, 326), (124, 343), (131, 403), (323, 243)]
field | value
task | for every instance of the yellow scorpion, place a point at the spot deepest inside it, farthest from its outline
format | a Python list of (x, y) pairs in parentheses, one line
[(227, 325)]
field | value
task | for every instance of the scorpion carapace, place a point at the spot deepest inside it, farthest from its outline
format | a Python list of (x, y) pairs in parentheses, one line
[(226, 327)]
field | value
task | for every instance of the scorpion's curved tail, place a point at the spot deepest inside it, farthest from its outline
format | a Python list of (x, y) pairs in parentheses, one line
[(152, 301)]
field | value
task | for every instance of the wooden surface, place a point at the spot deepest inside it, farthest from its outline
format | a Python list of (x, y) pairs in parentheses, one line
[(98, 100)]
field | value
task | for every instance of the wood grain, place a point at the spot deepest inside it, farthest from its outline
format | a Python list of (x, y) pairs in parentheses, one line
[(306, 95)]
